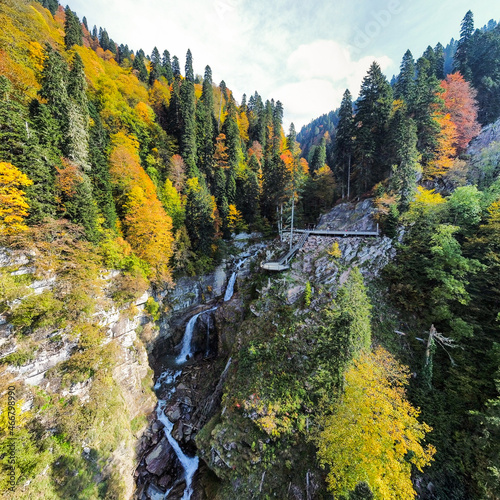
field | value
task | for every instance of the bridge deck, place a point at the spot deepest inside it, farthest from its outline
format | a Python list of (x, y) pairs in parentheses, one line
[(282, 264)]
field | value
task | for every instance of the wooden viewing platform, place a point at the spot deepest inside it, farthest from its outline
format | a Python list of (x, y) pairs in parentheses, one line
[(283, 263)]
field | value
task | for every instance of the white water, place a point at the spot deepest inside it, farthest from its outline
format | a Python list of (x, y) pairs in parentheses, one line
[(230, 287), (168, 377), (188, 337), (232, 280), (190, 464)]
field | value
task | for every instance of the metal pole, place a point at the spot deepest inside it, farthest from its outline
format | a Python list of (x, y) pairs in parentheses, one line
[(349, 179), (293, 206)]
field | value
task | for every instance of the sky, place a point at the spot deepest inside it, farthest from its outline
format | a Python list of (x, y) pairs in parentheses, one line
[(303, 53)]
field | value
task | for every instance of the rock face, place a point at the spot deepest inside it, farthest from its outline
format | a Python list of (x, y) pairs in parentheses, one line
[(350, 217)]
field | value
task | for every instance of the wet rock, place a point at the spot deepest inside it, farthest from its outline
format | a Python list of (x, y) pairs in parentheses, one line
[(154, 493), (161, 458), (174, 413), (177, 491)]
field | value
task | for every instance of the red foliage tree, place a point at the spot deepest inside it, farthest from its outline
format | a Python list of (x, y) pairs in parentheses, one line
[(460, 102)]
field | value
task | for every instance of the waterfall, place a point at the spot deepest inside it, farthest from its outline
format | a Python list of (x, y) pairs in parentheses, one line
[(188, 337), (190, 464), (230, 287)]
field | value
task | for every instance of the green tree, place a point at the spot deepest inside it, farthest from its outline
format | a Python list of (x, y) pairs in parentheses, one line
[(176, 68), (374, 106), (139, 66), (406, 168), (188, 134), (405, 84), (199, 216), (73, 29), (172, 203), (463, 53), (189, 67), (167, 66), (344, 144), (20, 145), (205, 126), (318, 157)]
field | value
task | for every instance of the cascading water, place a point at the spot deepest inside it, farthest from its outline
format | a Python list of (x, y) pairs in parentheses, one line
[(230, 286), (186, 353), (167, 380), (190, 464)]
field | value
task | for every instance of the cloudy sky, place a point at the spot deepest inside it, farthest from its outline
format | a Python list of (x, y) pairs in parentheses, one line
[(304, 54)]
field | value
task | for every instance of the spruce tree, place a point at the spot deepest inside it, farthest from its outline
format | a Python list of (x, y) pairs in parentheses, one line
[(405, 84), (167, 66), (199, 216), (104, 41), (464, 48), (19, 145), (188, 134), (344, 144), (99, 174), (189, 67), (54, 89), (73, 29), (206, 125), (140, 67), (84, 22), (406, 166), (439, 62), (176, 68), (374, 106), (319, 157)]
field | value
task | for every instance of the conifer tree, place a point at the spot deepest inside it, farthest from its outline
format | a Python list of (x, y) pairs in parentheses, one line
[(188, 134), (406, 167), (189, 67), (19, 145), (84, 22), (405, 85), (463, 54), (73, 29), (374, 106), (104, 40), (140, 67), (206, 125), (99, 174), (427, 99), (439, 64), (199, 216), (344, 144), (318, 157), (167, 66), (176, 68)]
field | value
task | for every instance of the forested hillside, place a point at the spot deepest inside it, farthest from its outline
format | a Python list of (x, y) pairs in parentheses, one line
[(122, 173)]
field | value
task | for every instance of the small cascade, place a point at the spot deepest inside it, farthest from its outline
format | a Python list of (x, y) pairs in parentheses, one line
[(189, 464), (230, 286), (186, 353)]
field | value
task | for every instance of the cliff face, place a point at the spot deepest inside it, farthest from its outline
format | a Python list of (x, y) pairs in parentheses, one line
[(59, 379)]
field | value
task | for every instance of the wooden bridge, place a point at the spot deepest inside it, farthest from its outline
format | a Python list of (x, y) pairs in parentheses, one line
[(283, 263)]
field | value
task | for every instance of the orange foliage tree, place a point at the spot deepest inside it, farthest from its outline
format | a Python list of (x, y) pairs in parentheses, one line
[(460, 103), (445, 151), (147, 227)]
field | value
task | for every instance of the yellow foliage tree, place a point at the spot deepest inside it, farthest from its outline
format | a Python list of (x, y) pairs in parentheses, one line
[(235, 220), (374, 435), (13, 204)]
